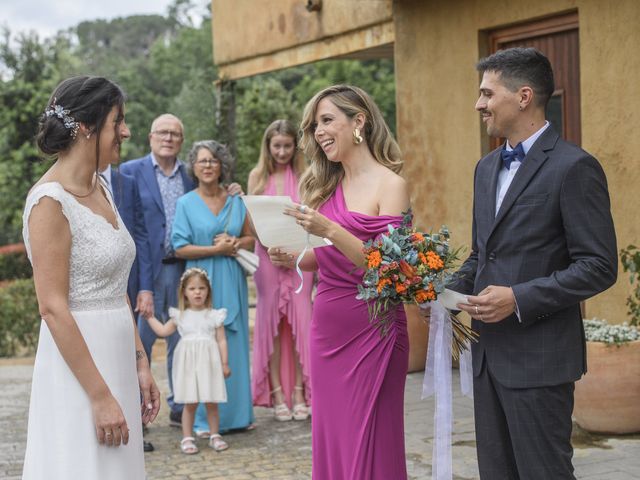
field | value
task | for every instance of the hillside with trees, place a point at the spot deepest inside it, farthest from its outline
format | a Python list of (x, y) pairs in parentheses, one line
[(165, 64)]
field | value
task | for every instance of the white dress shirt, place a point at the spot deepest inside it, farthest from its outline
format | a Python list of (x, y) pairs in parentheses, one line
[(505, 176)]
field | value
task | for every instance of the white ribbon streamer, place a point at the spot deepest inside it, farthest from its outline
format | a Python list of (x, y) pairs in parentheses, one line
[(298, 260), (437, 381)]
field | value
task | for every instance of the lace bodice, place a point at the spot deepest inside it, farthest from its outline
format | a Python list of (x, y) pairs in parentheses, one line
[(101, 256)]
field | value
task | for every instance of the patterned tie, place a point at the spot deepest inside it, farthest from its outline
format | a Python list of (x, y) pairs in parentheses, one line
[(513, 155)]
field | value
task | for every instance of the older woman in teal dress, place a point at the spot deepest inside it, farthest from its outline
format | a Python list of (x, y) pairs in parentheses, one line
[(209, 227)]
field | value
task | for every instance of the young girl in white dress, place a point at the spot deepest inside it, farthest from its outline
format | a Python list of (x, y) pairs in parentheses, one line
[(200, 362)]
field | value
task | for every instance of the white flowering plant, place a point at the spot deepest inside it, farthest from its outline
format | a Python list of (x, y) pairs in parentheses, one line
[(597, 330)]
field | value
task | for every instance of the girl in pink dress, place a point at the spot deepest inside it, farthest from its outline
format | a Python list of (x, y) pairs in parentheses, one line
[(281, 334), (352, 192)]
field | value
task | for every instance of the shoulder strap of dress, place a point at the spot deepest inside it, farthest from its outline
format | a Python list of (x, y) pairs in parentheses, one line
[(52, 190)]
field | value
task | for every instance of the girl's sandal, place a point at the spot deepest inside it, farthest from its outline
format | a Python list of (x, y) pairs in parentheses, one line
[(300, 410), (188, 446), (281, 411), (202, 433), (217, 443)]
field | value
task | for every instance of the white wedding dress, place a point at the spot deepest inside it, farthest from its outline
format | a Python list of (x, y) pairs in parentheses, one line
[(61, 437)]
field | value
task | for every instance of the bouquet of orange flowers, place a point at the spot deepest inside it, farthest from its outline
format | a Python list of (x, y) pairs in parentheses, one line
[(407, 266)]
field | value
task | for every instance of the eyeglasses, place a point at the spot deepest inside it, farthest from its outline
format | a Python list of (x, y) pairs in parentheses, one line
[(207, 162), (167, 134)]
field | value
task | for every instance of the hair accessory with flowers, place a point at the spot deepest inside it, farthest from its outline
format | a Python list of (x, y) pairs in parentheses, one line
[(63, 114), (190, 271), (407, 266)]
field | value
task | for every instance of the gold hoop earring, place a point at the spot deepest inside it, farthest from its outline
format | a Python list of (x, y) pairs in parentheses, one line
[(357, 138)]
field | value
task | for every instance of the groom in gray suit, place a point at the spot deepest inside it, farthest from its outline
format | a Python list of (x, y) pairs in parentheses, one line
[(542, 241)]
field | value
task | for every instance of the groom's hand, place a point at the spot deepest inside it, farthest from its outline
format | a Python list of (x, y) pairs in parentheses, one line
[(491, 305)]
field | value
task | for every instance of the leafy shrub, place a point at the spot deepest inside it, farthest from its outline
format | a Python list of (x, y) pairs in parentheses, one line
[(630, 258), (19, 317), (597, 330), (14, 262)]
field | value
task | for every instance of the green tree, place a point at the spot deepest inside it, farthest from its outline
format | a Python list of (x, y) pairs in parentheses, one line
[(31, 70), (261, 101), (376, 77)]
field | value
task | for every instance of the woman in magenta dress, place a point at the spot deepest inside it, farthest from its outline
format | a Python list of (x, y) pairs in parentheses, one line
[(281, 333), (352, 192)]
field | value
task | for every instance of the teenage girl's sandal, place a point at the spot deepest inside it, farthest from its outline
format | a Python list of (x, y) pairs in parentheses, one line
[(280, 410), (300, 410), (188, 446), (217, 443), (202, 433)]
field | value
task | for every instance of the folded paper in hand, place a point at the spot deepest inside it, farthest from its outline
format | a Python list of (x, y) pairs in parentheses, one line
[(449, 299), (274, 228)]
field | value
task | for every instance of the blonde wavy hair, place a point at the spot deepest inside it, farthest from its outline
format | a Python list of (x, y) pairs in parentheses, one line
[(322, 177), (188, 274), (267, 164)]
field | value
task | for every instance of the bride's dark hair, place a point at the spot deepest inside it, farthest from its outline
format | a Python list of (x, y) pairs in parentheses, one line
[(87, 100)]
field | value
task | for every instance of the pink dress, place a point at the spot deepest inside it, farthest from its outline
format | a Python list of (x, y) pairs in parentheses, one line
[(357, 376), (278, 301)]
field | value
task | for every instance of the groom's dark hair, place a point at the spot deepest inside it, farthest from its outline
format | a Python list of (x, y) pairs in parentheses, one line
[(519, 67)]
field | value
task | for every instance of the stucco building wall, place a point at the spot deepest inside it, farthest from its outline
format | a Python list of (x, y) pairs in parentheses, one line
[(437, 45)]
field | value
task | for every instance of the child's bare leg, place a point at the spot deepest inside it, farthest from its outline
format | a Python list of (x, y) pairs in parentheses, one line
[(215, 440), (188, 415), (212, 417)]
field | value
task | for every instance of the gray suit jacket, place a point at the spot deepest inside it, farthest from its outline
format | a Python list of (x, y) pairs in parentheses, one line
[(553, 242)]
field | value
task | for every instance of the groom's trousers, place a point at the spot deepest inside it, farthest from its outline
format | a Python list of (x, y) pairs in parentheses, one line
[(523, 433)]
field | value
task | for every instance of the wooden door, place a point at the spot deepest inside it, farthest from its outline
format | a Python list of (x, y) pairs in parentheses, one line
[(557, 38)]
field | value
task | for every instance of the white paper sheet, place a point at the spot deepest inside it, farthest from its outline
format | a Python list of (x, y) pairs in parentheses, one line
[(449, 299), (274, 228)]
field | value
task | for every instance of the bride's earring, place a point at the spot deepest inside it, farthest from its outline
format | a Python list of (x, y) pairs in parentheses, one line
[(357, 138)]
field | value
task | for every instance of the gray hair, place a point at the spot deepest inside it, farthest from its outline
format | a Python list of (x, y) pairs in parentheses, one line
[(219, 151)]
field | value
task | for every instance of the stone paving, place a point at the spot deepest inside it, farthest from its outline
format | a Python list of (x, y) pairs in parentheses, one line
[(282, 451)]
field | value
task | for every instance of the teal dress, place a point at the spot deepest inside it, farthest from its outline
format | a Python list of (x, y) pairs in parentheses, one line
[(195, 224)]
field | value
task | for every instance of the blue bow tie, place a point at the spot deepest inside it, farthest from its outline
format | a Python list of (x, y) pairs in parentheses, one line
[(513, 155)]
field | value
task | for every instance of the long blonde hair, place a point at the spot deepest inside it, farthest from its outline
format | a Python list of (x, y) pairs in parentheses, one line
[(188, 274), (321, 179), (267, 164)]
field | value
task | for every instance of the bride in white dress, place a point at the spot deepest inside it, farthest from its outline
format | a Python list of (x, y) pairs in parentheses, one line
[(92, 388)]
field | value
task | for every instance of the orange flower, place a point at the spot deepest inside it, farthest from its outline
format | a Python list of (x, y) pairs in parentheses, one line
[(417, 237), (374, 259), (426, 295), (400, 287), (434, 261), (382, 283), (422, 257)]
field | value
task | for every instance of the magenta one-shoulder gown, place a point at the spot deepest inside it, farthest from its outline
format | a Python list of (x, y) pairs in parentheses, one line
[(357, 376)]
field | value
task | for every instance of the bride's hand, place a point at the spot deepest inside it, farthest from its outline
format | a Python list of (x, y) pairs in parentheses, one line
[(311, 220), (111, 426), (149, 393), (280, 258)]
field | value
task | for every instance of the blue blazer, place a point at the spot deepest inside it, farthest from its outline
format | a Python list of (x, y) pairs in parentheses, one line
[(127, 200), (141, 169)]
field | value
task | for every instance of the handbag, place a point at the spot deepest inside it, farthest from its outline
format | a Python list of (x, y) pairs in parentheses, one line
[(249, 261)]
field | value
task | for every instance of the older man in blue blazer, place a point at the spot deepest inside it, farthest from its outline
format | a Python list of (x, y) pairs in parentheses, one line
[(161, 179)]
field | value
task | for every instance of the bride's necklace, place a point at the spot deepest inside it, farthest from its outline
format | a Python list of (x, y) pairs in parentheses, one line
[(94, 183)]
